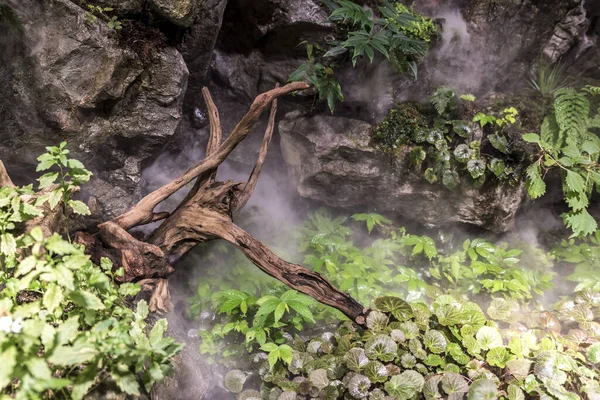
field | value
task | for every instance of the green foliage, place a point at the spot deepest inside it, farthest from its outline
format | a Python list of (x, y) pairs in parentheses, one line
[(252, 320), (566, 142), (448, 149), (549, 78), (585, 255), (452, 350), (396, 32), (64, 323), (60, 184), (320, 76), (94, 12), (442, 99)]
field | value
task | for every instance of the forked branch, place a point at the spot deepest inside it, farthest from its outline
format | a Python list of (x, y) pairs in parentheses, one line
[(295, 276), (142, 213), (249, 187)]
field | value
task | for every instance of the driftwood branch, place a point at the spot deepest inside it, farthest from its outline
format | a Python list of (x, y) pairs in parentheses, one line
[(248, 189), (4, 177), (216, 133), (142, 212), (206, 214), (293, 275)]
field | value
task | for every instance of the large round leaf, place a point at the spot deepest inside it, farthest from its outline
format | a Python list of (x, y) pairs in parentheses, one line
[(488, 337), (434, 341), (399, 308), (234, 381), (406, 385), (593, 353), (482, 389)]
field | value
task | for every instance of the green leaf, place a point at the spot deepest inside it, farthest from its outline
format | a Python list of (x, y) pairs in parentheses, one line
[(499, 309), (47, 180), (536, 187), (531, 138), (9, 361), (84, 382), (450, 179), (26, 265), (8, 244), (399, 308), (72, 355), (498, 357), (285, 353), (319, 378), (54, 198), (127, 383), (46, 161), (158, 331), (593, 353), (279, 311), (53, 297), (499, 142), (581, 222), (59, 246), (488, 338), (79, 207), (449, 314), (453, 383), (234, 381), (87, 300), (575, 181), (39, 368), (434, 341), (482, 389), (406, 385)]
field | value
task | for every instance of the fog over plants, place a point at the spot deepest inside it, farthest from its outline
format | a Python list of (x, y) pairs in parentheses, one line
[(300, 199)]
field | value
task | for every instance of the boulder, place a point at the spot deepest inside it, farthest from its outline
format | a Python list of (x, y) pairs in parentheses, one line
[(178, 12), (70, 80), (331, 160), (274, 26)]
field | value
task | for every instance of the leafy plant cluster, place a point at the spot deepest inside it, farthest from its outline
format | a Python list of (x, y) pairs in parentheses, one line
[(395, 31), (396, 259), (254, 310), (65, 326), (443, 349), (94, 12), (447, 145), (249, 321), (567, 144)]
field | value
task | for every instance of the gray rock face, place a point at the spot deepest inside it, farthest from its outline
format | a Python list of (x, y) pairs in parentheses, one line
[(330, 160), (121, 6), (274, 26), (179, 12), (67, 80)]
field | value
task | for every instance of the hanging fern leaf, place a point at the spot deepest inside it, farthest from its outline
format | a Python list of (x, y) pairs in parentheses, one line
[(571, 110), (441, 98)]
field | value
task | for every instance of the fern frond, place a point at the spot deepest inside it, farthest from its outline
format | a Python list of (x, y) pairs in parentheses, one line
[(441, 98), (593, 90), (572, 111), (550, 133), (352, 13)]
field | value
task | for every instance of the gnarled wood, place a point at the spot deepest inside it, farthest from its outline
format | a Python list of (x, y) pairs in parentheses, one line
[(248, 189), (295, 276), (4, 177), (142, 212), (205, 214)]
